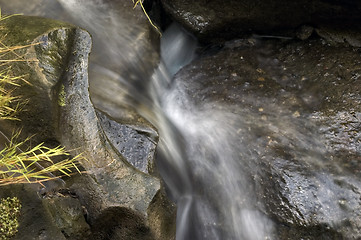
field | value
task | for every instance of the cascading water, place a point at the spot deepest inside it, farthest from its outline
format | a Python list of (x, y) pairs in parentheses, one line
[(205, 177), (198, 151), (263, 149)]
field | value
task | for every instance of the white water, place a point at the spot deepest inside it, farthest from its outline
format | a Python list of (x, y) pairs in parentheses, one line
[(220, 198), (199, 159), (199, 156), (214, 200)]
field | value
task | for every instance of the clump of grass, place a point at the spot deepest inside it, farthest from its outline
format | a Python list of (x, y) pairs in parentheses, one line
[(9, 104), (140, 2), (19, 166), (36, 164), (9, 213)]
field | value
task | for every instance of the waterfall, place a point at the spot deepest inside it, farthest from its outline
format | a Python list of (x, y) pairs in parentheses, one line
[(202, 156), (198, 154), (258, 138)]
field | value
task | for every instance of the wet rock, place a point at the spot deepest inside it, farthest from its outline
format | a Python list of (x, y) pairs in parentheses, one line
[(339, 34), (59, 111), (118, 118), (217, 20), (293, 108)]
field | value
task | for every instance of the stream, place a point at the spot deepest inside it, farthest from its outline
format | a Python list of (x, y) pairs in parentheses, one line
[(200, 157), (236, 152), (197, 154)]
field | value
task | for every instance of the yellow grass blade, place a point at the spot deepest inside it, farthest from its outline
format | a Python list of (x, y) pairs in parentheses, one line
[(146, 14)]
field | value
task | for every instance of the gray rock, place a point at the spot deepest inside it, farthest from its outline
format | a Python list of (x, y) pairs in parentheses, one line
[(130, 141), (294, 110), (79, 128), (59, 111)]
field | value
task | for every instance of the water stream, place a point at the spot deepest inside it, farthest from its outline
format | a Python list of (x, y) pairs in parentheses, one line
[(198, 153), (214, 200), (217, 159), (198, 157)]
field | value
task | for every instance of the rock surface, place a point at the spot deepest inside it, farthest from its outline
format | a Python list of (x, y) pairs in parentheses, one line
[(59, 111), (216, 20), (135, 143), (294, 107)]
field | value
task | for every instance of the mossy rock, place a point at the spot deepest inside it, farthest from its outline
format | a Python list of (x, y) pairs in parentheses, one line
[(9, 214)]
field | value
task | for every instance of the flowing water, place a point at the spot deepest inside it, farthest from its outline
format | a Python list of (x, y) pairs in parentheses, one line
[(209, 154), (201, 166), (198, 153)]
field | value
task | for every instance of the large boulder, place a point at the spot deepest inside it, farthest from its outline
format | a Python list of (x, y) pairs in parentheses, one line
[(216, 20), (290, 112), (116, 192)]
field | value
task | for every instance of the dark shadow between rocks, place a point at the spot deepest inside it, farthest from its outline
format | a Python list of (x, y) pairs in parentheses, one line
[(120, 223)]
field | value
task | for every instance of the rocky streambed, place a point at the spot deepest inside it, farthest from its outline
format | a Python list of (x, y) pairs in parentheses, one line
[(282, 95)]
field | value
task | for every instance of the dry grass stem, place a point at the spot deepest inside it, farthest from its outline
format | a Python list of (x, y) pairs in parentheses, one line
[(140, 2), (18, 166), (36, 164)]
